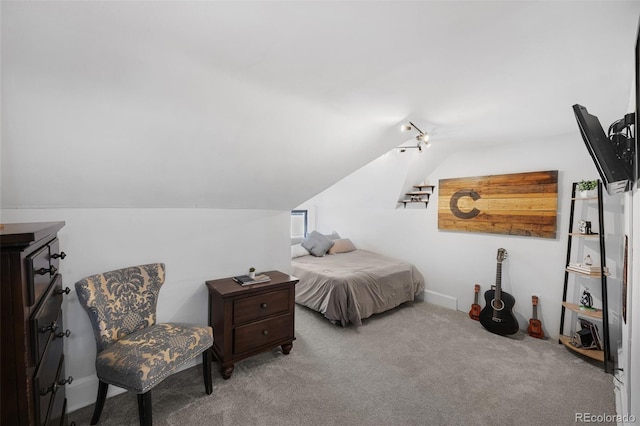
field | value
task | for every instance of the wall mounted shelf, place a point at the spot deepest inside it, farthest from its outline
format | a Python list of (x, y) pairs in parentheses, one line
[(420, 195)]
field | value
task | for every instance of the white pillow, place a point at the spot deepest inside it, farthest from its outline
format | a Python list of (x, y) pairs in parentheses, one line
[(297, 251)]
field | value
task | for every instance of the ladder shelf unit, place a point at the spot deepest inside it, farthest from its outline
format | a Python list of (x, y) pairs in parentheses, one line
[(570, 308)]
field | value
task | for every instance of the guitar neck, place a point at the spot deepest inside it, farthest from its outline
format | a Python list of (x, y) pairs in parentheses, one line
[(535, 312), (498, 290)]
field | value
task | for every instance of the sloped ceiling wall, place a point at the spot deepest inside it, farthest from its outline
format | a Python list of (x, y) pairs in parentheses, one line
[(265, 104)]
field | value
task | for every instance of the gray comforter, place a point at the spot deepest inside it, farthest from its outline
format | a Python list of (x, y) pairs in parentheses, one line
[(348, 287)]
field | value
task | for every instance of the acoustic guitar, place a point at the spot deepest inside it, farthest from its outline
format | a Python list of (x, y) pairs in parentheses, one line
[(474, 313), (497, 315), (535, 326)]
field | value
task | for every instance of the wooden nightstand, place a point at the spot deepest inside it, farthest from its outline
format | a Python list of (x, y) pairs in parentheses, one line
[(247, 320)]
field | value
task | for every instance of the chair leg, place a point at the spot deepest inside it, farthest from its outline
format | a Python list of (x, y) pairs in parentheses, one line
[(102, 397), (144, 408), (206, 370)]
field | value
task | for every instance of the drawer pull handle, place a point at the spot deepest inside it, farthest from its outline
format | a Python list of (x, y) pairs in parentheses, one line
[(53, 388), (265, 332), (62, 255), (66, 381), (52, 327), (42, 271), (263, 305), (67, 290), (65, 333)]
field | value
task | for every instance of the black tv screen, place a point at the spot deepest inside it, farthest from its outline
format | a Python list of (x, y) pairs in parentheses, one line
[(637, 96), (610, 167)]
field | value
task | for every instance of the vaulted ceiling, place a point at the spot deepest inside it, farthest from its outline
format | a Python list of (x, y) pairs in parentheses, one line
[(264, 104)]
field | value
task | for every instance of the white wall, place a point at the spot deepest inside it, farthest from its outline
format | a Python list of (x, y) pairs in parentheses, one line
[(363, 207), (195, 244), (631, 330)]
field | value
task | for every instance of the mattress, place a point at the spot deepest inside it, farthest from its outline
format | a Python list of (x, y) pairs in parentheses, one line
[(348, 287)]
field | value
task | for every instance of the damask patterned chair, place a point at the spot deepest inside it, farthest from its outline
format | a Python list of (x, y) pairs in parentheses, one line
[(133, 352)]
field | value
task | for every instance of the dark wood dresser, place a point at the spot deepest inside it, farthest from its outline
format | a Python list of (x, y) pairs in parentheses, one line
[(247, 320), (31, 357)]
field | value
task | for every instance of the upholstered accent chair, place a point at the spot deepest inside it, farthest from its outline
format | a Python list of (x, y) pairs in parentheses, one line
[(133, 352)]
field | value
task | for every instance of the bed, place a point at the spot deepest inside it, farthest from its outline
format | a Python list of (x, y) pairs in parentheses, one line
[(351, 285)]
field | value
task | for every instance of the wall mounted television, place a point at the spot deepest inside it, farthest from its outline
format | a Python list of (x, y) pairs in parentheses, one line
[(615, 154), (616, 177), (637, 96)]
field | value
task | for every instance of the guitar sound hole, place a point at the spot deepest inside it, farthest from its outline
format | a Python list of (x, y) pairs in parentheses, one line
[(498, 305)]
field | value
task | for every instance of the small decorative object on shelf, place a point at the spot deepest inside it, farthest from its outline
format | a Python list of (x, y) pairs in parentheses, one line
[(586, 187), (420, 195), (586, 300), (252, 272), (588, 337), (584, 227)]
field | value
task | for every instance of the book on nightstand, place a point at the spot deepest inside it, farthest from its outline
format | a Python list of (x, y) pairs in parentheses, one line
[(247, 280)]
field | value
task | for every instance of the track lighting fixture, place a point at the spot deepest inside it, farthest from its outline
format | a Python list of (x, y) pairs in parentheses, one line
[(421, 137)]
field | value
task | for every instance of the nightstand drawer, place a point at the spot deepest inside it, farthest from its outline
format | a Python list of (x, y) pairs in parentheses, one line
[(261, 306), (262, 333)]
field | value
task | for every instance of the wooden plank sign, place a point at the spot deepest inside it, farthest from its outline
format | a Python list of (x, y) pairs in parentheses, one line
[(523, 204)]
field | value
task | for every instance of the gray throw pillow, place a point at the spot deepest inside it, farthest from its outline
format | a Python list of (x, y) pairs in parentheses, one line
[(317, 244), (333, 236)]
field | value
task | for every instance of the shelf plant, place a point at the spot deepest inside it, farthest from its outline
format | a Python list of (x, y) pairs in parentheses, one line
[(585, 186)]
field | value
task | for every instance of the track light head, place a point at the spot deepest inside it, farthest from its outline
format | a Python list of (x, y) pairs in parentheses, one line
[(423, 137)]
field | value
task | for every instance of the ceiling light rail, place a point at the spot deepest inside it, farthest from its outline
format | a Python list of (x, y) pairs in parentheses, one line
[(421, 137)]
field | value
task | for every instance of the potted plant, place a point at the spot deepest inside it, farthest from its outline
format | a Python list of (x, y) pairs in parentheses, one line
[(252, 272), (586, 187)]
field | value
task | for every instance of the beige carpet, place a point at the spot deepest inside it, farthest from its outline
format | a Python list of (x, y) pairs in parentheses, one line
[(419, 364)]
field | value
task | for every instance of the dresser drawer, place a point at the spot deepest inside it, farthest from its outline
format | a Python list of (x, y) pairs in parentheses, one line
[(262, 333), (57, 406), (47, 377), (260, 306), (38, 274), (47, 319)]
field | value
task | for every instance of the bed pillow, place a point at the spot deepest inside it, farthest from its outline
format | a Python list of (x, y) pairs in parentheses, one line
[(317, 244), (343, 245), (333, 236), (297, 251)]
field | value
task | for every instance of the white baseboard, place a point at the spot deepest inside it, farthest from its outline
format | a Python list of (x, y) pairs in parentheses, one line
[(83, 391), (441, 299), (620, 392)]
